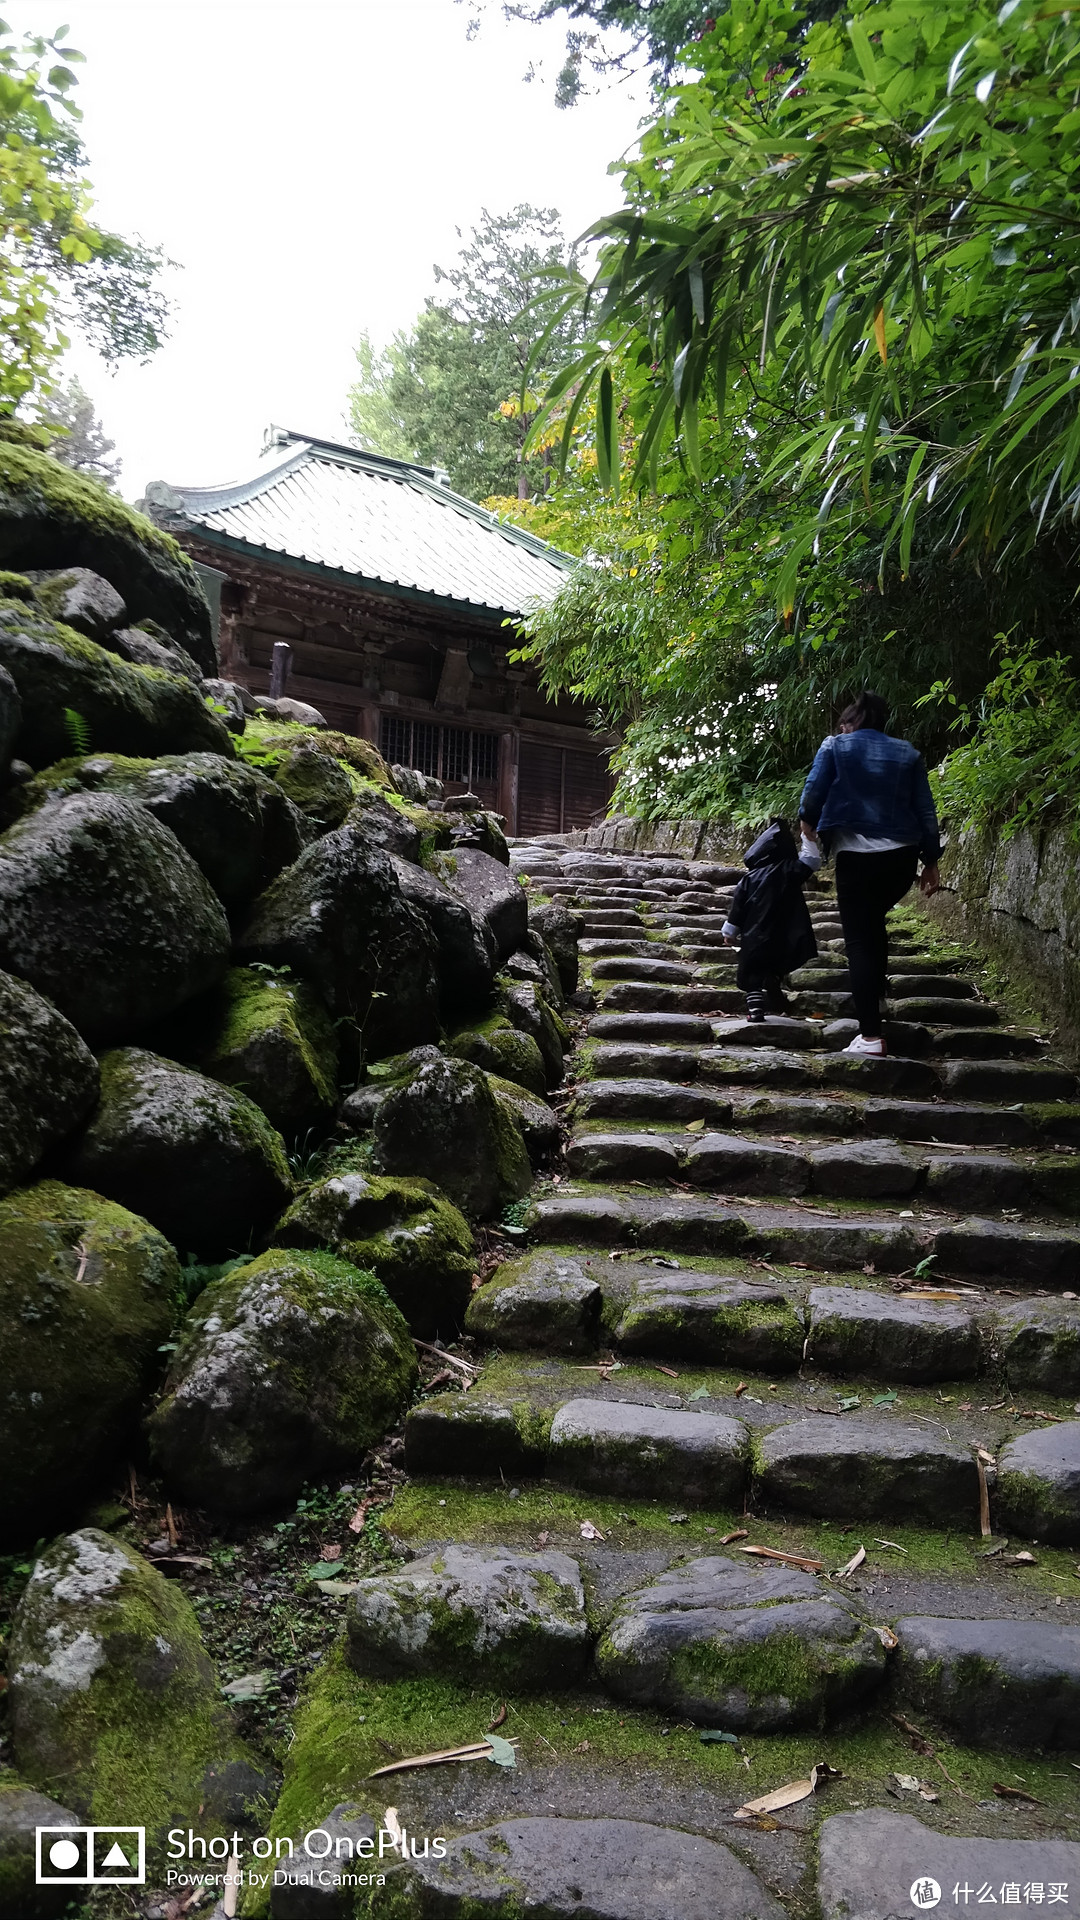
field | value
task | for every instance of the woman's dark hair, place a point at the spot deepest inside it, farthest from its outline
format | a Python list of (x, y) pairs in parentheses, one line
[(868, 710)]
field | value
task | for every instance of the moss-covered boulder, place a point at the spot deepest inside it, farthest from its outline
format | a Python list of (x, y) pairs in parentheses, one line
[(337, 917), (199, 1159), (103, 911), (464, 964), (445, 1122), (79, 598), (274, 1040), (236, 824), (528, 1008), (1038, 1484), (537, 1124), (494, 896), (87, 1295), (288, 1370), (113, 1700), (316, 783), (22, 1812), (10, 718), (405, 1231), (384, 823), (116, 705), (499, 1048), (153, 648), (519, 1616), (48, 1078), (546, 1300), (53, 518), (560, 930)]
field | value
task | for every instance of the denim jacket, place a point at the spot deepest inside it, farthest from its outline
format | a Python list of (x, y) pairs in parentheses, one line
[(870, 783)]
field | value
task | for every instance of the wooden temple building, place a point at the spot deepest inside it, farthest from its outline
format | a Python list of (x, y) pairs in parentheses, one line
[(394, 594)]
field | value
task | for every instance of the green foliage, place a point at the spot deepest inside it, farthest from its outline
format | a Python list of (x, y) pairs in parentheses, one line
[(617, 35), (77, 731), (55, 264), (1021, 765), (444, 393), (80, 441)]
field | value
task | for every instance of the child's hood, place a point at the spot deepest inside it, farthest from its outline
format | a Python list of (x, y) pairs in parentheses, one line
[(777, 843)]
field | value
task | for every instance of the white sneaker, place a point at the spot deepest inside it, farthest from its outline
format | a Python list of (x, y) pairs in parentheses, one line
[(873, 1048)]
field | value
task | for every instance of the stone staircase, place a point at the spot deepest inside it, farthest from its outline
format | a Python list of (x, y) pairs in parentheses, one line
[(774, 1298)]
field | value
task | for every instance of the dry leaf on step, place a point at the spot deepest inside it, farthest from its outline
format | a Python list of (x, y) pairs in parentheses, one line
[(790, 1795), (589, 1532), (789, 1559), (856, 1560), (887, 1637)]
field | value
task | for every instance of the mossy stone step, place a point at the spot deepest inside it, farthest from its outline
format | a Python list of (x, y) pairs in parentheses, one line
[(1038, 1342), (543, 1301), (705, 1225), (855, 1469), (633, 996), (996, 1683), (685, 1027), (869, 1863), (774, 1031), (560, 1869), (1007, 1081), (522, 1615), (616, 1446), (651, 1100), (765, 1066), (932, 1011), (708, 1318), (918, 985), (762, 1650), (611, 945), (623, 1156), (987, 1043), (1038, 1488), (855, 1331), (643, 968)]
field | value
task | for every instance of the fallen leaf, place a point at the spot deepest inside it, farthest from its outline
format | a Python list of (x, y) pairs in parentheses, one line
[(543, 1538), (883, 1399), (502, 1752), (740, 1533), (789, 1559), (251, 1686), (714, 1734), (476, 1750), (356, 1524), (337, 1586), (1019, 1560), (701, 1393), (678, 1519), (887, 1637), (790, 1795), (907, 1781), (695, 1126), (1016, 1793), (330, 1552), (670, 1371), (589, 1532), (499, 1719), (741, 1388), (582, 1747), (846, 1405), (322, 1570), (894, 1544), (984, 1497), (870, 1268), (856, 1560)]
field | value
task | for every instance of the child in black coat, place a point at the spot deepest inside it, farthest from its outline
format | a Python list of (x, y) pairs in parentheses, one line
[(770, 919)]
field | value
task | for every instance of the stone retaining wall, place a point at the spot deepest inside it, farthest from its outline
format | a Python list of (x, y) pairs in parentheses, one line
[(685, 839)]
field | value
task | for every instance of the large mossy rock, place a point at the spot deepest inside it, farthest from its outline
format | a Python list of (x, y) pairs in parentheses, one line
[(446, 1119), (560, 930), (10, 718), (465, 968), (337, 917), (404, 1231), (199, 1159), (104, 913), (113, 1700), (316, 784), (385, 825), (236, 824), (529, 1009), (53, 518), (536, 1122), (500, 1048), (22, 1812), (48, 1078), (121, 707), (274, 1040), (288, 1370), (494, 896), (88, 1293)]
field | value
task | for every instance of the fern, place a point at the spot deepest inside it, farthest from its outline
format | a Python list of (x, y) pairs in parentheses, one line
[(77, 731)]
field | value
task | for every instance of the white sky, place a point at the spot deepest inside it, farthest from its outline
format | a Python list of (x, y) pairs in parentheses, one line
[(305, 163)]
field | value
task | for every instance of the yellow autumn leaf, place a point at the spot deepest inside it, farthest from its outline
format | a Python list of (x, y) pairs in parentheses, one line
[(879, 333)]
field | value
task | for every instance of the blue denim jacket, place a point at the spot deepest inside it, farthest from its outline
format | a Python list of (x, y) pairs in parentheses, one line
[(870, 783)]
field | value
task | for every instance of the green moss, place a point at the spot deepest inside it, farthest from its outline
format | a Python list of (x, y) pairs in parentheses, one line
[(28, 470), (274, 1040), (266, 744), (15, 586), (500, 1049)]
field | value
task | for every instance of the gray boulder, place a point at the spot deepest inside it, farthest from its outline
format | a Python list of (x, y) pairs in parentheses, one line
[(87, 1295), (465, 969), (48, 1078), (80, 599), (1038, 1485), (230, 695), (1039, 1345), (145, 648), (103, 911), (518, 1616), (315, 782), (237, 825), (494, 896), (288, 1369), (111, 1691), (446, 1119), (552, 1869), (197, 1158), (528, 1010), (871, 1861), (534, 1119), (546, 1300), (404, 1231), (560, 930), (22, 1812), (301, 1890), (384, 825), (762, 1649), (10, 718), (273, 1039), (337, 917), (121, 707)]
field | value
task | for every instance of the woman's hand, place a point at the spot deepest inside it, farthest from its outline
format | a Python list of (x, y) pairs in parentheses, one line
[(810, 832), (930, 880)]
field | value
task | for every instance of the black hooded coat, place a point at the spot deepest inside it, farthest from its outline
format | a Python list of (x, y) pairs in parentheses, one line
[(770, 911)]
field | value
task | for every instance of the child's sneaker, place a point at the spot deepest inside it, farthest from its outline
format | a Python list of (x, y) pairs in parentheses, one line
[(872, 1046), (755, 1009)]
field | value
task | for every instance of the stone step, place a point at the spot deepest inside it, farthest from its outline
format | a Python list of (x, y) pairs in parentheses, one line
[(987, 1043), (679, 1027), (657, 997), (942, 986), (766, 1066), (611, 946), (869, 1863), (995, 1683), (1008, 1081), (816, 1236), (703, 934), (931, 1011), (643, 968)]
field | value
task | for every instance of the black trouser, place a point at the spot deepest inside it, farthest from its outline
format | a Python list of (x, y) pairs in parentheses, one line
[(761, 984), (867, 885)]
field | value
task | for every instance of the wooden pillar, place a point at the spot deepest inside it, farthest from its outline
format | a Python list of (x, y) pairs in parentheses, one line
[(509, 746)]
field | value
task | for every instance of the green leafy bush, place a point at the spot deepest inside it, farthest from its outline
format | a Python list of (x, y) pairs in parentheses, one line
[(1021, 766)]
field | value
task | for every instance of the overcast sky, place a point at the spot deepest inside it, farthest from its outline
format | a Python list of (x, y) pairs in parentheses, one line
[(305, 163)]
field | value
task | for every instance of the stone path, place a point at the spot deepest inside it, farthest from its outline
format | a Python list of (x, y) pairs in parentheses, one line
[(778, 1299)]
